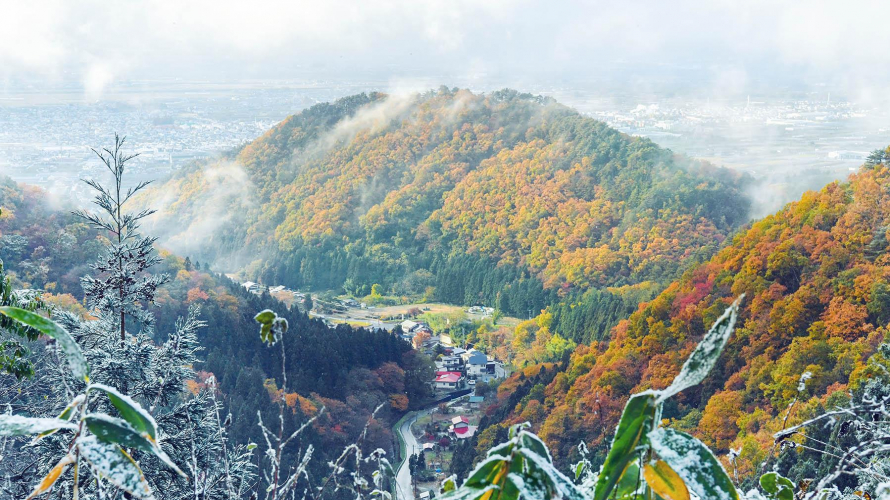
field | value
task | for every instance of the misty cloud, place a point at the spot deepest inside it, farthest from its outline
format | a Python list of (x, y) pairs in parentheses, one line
[(442, 39), (225, 193)]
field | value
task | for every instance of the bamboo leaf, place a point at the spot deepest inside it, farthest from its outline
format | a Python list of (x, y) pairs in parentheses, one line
[(17, 425), (117, 431), (664, 481), (694, 463), (115, 465), (130, 410), (76, 361), (51, 477), (636, 420), (705, 355), (66, 415)]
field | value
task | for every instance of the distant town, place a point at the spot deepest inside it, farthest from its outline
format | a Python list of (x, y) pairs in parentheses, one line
[(45, 137)]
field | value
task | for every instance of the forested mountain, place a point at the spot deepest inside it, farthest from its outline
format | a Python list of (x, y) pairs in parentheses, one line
[(348, 371), (506, 198), (817, 295)]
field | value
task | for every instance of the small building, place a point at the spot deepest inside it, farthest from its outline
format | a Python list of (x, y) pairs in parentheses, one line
[(452, 363), (461, 428), (475, 401), (254, 288), (476, 363), (450, 380)]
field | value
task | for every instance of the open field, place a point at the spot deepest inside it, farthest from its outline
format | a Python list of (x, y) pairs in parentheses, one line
[(377, 316)]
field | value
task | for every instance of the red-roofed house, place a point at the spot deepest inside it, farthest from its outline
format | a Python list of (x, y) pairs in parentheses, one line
[(450, 380), (461, 428)]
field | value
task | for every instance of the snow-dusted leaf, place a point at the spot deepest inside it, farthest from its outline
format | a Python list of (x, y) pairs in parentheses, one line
[(486, 472), (530, 440), (470, 493), (449, 484), (17, 425), (67, 414), (627, 486), (694, 463), (777, 487), (559, 485), (76, 361), (115, 465), (117, 431), (664, 481), (272, 327), (636, 420), (132, 411), (51, 477), (705, 355), (265, 317), (526, 487)]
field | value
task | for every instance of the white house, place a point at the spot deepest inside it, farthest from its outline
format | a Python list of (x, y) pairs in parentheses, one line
[(450, 380), (476, 363)]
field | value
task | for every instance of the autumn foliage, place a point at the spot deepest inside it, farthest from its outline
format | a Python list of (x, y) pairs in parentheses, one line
[(816, 280)]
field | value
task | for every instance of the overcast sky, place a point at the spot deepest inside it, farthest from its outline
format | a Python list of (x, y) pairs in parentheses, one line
[(735, 42)]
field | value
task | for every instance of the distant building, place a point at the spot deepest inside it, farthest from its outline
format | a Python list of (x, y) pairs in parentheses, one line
[(450, 380), (476, 363), (254, 288), (461, 428)]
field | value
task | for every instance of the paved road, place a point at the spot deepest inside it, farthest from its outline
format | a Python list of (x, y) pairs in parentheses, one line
[(403, 476)]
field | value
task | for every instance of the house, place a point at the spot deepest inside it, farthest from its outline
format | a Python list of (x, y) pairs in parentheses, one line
[(461, 428), (452, 363), (445, 339), (475, 401), (254, 288), (450, 380), (476, 363), (277, 289)]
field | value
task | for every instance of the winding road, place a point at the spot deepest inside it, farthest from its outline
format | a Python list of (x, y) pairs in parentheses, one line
[(404, 491)]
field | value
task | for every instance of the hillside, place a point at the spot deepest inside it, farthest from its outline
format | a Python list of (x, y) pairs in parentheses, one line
[(521, 194), (815, 276), (349, 371)]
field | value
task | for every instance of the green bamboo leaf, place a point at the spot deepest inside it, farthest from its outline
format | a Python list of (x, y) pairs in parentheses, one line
[(115, 465), (636, 420), (535, 443), (265, 317), (130, 410), (705, 355), (694, 463), (776, 486), (17, 425), (118, 431), (486, 472), (76, 361)]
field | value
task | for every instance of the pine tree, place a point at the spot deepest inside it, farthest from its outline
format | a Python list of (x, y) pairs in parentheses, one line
[(122, 285)]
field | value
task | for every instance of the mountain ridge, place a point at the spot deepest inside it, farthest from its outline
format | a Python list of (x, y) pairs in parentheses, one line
[(376, 187)]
